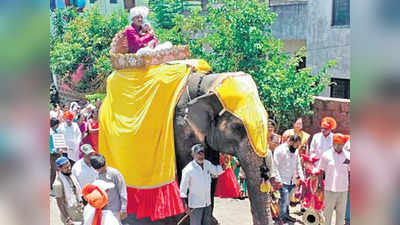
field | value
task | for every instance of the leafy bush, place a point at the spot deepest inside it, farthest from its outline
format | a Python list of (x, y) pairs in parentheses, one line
[(92, 98), (166, 11), (236, 36), (78, 38)]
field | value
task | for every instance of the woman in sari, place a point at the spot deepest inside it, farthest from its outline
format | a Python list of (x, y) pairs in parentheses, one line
[(227, 186), (298, 129), (271, 130), (83, 127), (93, 125)]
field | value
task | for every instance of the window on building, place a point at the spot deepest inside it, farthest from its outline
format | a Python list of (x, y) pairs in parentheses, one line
[(92, 1), (341, 12), (340, 88), (302, 64), (113, 1)]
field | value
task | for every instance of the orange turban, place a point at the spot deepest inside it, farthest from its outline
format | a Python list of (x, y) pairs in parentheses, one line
[(340, 138), (97, 198), (328, 123), (68, 115)]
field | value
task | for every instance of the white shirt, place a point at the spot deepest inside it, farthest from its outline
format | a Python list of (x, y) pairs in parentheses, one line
[(321, 144), (53, 114), (198, 182), (273, 172), (84, 173), (107, 216), (336, 172), (288, 164), (347, 146), (72, 135)]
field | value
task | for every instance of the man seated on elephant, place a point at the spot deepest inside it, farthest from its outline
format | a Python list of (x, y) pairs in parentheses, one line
[(196, 177)]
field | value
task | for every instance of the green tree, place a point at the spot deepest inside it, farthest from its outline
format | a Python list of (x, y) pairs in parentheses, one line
[(77, 38), (235, 35)]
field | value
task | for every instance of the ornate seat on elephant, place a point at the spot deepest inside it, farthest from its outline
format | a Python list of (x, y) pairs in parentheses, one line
[(122, 59)]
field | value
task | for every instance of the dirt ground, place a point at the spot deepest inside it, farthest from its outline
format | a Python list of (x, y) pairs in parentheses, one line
[(227, 212)]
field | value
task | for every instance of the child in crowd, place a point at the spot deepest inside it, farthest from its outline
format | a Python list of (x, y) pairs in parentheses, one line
[(153, 45)]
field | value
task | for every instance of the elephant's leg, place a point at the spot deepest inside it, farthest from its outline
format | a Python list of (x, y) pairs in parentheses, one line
[(213, 189)]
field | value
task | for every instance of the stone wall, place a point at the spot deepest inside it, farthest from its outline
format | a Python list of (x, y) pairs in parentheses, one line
[(67, 95), (337, 108)]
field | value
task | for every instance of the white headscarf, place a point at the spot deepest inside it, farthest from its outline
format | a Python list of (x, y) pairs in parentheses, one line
[(139, 10), (73, 107)]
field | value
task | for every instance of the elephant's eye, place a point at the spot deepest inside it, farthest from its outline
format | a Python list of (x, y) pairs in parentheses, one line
[(239, 129)]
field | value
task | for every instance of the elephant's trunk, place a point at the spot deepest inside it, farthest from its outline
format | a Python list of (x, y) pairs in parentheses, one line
[(251, 165)]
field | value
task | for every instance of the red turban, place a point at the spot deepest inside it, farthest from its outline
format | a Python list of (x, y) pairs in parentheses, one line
[(97, 198), (340, 138), (328, 123), (68, 115)]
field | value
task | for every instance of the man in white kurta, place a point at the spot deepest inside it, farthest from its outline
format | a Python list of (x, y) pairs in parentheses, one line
[(323, 141), (72, 135), (335, 163), (196, 177), (287, 161)]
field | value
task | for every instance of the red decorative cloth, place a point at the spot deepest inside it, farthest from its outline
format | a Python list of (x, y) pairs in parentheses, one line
[(156, 203), (313, 198), (227, 186)]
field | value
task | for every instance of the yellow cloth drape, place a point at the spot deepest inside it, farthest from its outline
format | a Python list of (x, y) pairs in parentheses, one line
[(238, 94), (136, 123)]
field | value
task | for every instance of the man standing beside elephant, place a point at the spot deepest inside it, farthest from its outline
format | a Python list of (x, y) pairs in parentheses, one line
[(287, 161), (196, 177)]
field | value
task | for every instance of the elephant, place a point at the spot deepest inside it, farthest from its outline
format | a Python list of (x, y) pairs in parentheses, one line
[(200, 118)]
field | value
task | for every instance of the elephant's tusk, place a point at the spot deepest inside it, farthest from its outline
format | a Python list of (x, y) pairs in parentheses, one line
[(221, 112)]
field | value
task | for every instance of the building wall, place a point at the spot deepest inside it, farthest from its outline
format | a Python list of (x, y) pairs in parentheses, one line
[(310, 21), (291, 21), (326, 42), (105, 6), (337, 108)]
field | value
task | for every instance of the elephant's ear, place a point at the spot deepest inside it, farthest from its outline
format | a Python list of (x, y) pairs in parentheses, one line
[(202, 112)]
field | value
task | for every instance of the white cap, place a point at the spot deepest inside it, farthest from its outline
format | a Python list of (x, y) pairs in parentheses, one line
[(103, 185), (139, 10)]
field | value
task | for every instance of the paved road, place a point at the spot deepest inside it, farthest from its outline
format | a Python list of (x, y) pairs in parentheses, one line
[(227, 212)]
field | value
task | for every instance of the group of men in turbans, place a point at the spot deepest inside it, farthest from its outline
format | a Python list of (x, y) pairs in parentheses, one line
[(327, 161)]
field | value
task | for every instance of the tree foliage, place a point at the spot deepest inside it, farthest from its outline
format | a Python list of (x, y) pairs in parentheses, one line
[(235, 35), (77, 38)]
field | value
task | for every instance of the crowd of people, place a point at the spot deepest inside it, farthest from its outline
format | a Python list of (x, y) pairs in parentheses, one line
[(311, 171), (316, 175), (78, 174)]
